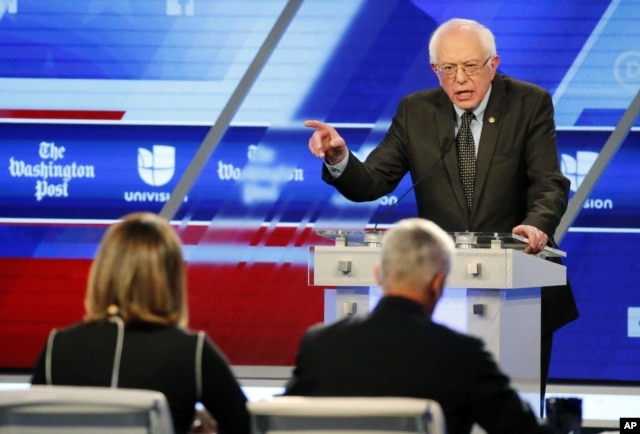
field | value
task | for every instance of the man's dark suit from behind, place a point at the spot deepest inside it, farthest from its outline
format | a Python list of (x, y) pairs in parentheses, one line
[(397, 350)]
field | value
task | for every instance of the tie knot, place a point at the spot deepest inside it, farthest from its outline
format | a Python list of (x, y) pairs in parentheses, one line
[(467, 117)]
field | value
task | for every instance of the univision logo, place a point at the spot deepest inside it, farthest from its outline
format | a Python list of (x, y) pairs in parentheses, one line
[(156, 167), (576, 169)]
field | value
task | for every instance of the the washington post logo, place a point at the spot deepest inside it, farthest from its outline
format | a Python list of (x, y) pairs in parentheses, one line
[(630, 424)]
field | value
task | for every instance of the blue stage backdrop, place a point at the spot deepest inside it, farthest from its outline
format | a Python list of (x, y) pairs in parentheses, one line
[(105, 104)]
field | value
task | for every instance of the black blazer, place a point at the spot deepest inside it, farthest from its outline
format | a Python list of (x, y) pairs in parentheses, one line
[(398, 351), (518, 177), (155, 357)]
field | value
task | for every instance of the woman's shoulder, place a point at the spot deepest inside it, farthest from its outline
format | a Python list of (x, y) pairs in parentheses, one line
[(169, 335), (83, 328), (95, 329)]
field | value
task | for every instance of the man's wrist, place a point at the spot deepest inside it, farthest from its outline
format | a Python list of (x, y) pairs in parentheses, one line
[(336, 169)]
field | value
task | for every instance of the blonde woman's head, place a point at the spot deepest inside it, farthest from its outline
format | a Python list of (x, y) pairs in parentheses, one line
[(139, 272)]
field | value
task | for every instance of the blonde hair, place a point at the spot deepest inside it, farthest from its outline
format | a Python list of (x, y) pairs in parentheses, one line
[(413, 252), (138, 273)]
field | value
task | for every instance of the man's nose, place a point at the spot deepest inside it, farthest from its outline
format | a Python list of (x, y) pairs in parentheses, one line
[(461, 75)]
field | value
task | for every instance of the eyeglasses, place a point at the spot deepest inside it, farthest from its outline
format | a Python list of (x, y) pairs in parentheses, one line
[(468, 68)]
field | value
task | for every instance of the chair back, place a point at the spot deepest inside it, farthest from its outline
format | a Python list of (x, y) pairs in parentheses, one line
[(71, 409), (329, 415)]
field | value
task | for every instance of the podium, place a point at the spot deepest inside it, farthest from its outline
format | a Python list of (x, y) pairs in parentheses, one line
[(492, 292)]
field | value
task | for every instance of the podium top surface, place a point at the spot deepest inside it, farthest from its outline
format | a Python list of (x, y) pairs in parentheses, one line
[(479, 240)]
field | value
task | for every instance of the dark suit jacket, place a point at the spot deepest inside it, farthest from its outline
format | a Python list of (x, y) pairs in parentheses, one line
[(398, 351), (518, 177)]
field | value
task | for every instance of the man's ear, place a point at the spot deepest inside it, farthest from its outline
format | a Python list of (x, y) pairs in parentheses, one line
[(376, 272), (437, 285)]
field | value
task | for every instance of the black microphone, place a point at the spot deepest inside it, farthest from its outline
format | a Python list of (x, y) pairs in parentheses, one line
[(446, 146)]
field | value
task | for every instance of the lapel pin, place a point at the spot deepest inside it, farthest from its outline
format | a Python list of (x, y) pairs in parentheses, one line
[(492, 120)]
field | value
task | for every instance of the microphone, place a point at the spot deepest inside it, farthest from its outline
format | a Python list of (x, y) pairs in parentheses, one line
[(446, 146)]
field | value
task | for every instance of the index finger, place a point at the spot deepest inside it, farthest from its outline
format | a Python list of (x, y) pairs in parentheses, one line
[(316, 124)]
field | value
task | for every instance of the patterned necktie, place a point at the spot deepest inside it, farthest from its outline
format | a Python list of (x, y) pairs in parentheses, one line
[(466, 157)]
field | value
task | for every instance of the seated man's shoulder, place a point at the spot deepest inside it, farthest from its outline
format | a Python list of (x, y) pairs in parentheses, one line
[(459, 339)]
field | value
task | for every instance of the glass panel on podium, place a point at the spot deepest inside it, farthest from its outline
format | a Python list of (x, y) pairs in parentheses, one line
[(481, 240)]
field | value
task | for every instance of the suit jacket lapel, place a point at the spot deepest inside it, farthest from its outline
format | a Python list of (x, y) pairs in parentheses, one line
[(488, 139)]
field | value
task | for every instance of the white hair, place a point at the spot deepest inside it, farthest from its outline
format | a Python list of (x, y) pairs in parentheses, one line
[(484, 34), (414, 251)]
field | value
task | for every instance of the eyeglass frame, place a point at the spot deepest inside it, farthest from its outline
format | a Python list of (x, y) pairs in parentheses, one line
[(464, 67)]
